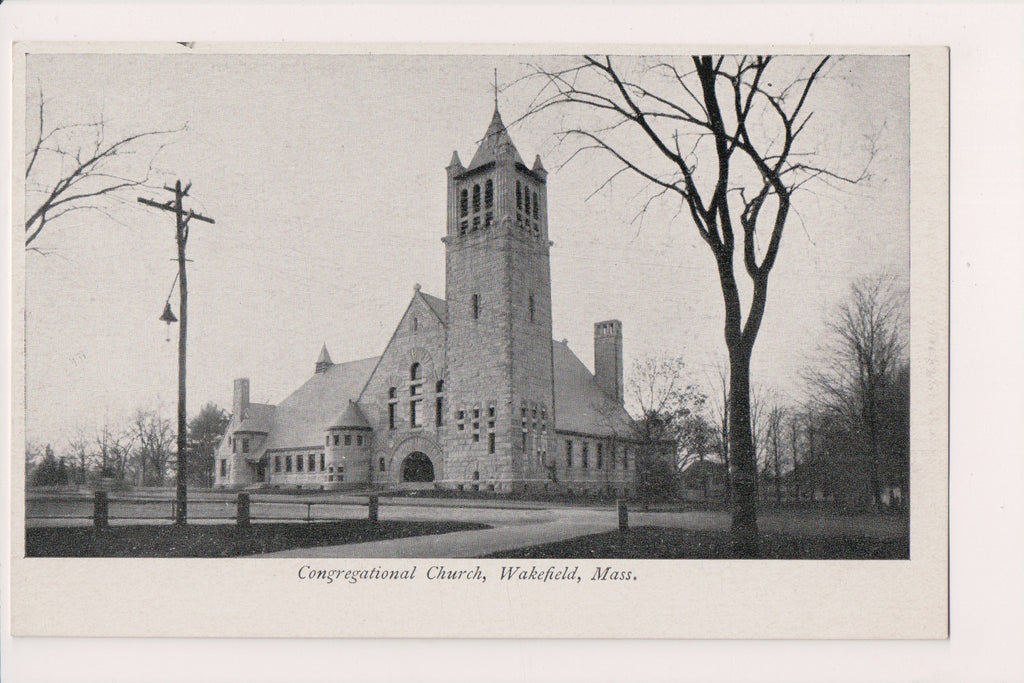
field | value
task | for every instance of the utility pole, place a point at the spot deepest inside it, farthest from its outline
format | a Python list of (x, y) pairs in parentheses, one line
[(181, 237)]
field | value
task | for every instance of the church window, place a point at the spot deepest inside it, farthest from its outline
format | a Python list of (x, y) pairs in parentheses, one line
[(476, 223), (519, 195), (463, 226), (234, 445), (464, 203), (439, 387), (476, 198), (476, 475), (543, 420), (415, 389), (414, 371), (380, 465), (489, 193), (287, 463), (439, 411), (335, 439), (476, 306), (391, 415), (460, 419), (490, 412), (532, 309), (245, 444), (359, 440), (568, 453), (522, 414), (488, 219), (526, 202), (328, 441), (223, 468), (391, 392), (322, 462), (312, 462), (348, 439), (414, 417), (585, 457), (536, 207), (299, 463), (600, 457), (612, 459), (490, 442), (415, 323), (277, 463)]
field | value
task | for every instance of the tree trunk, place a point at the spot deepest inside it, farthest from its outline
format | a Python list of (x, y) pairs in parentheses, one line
[(741, 455)]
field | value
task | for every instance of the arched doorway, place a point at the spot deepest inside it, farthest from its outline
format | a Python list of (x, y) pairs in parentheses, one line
[(417, 468)]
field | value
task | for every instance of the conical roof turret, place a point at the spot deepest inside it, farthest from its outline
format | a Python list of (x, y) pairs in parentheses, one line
[(323, 361), (351, 418)]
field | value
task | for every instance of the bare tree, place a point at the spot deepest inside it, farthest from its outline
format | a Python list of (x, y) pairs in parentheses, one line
[(863, 371), (155, 437), (723, 137), (72, 167)]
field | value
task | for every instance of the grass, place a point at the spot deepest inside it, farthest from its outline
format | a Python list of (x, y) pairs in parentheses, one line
[(665, 543), (218, 540)]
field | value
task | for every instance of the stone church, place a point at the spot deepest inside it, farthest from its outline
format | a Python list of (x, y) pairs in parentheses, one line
[(471, 392)]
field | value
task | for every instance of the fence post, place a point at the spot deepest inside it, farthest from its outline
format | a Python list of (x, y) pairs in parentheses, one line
[(373, 508), (100, 510), (623, 515), (243, 509)]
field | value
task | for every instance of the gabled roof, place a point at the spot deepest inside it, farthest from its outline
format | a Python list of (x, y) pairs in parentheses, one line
[(438, 306), (300, 419), (580, 404), (495, 136), (257, 418), (351, 418)]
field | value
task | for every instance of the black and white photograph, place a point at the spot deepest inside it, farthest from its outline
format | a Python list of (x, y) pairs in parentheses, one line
[(413, 306)]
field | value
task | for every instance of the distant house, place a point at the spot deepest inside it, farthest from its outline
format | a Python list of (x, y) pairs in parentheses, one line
[(704, 478), (471, 392)]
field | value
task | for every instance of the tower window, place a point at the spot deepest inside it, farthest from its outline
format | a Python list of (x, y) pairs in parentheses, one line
[(245, 444), (359, 440), (391, 415), (519, 195), (531, 308), (380, 465), (287, 463), (490, 442), (391, 392), (415, 323), (277, 463), (568, 453), (476, 198), (299, 462), (476, 306), (439, 411), (536, 209), (348, 439), (439, 387), (585, 458), (464, 203), (414, 372), (526, 203), (489, 193), (335, 439), (414, 414), (321, 462)]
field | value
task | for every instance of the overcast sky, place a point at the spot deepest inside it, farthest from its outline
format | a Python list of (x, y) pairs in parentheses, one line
[(325, 175)]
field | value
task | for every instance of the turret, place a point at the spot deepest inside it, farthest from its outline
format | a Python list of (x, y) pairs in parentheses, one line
[(240, 404), (323, 362)]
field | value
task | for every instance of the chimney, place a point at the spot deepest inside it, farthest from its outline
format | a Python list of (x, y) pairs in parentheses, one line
[(240, 405), (608, 357)]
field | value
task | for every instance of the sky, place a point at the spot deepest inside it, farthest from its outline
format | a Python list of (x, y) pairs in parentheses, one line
[(325, 175)]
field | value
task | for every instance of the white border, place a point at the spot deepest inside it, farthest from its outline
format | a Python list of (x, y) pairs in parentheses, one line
[(984, 646)]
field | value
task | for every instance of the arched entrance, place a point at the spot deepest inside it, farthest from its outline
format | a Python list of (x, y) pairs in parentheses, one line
[(417, 468)]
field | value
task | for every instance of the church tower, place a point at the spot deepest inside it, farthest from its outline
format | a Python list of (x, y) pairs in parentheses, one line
[(498, 289)]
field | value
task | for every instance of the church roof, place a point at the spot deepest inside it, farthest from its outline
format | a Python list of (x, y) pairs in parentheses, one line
[(438, 306), (495, 136), (580, 404), (351, 418), (324, 356), (300, 419), (257, 418)]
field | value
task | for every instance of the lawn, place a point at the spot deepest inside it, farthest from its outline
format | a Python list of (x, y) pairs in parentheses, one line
[(219, 540), (665, 543)]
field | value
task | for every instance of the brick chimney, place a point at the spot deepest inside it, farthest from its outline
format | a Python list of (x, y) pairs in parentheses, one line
[(608, 357)]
